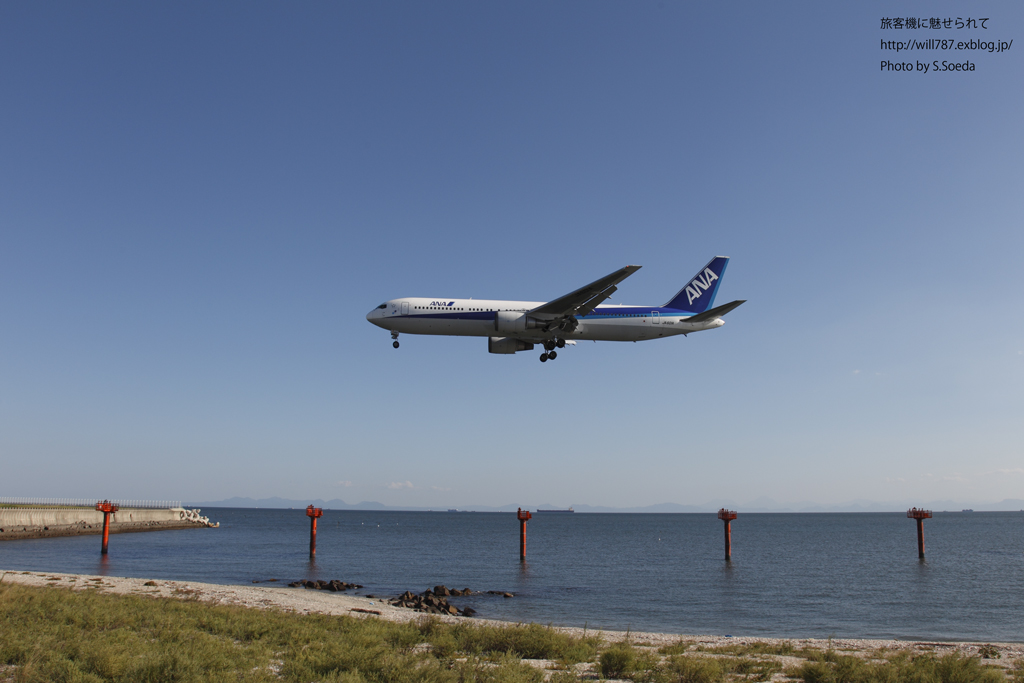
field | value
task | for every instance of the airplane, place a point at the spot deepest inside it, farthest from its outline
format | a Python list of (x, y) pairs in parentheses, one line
[(513, 326)]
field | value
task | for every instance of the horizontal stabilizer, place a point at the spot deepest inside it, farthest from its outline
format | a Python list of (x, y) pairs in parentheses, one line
[(713, 313)]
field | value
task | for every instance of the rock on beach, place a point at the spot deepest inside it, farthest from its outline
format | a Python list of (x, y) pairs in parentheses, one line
[(434, 601)]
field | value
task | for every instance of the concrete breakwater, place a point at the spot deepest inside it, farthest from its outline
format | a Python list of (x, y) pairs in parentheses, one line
[(28, 522)]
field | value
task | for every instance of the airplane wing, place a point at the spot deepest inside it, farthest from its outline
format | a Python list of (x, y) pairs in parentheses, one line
[(716, 312), (585, 299)]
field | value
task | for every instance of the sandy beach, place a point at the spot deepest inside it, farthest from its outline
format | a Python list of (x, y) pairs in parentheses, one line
[(323, 602)]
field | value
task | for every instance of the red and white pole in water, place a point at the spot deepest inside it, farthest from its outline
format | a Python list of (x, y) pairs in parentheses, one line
[(523, 516), (313, 514), (106, 507), (727, 516)]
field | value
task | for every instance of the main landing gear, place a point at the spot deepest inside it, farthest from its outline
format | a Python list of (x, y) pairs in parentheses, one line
[(550, 345), (394, 335)]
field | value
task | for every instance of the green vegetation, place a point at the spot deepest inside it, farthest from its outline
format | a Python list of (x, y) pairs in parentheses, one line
[(57, 634), (530, 641), (676, 648), (897, 668), (685, 663), (624, 661), (694, 670), (618, 661), (752, 669), (783, 647)]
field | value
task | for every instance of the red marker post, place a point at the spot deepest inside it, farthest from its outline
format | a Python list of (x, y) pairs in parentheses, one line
[(920, 516), (313, 514), (523, 516), (727, 516), (106, 507)]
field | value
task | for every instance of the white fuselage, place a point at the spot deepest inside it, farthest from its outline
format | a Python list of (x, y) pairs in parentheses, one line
[(482, 318)]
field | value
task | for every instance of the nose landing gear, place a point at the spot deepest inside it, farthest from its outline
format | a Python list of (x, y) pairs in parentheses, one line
[(394, 335)]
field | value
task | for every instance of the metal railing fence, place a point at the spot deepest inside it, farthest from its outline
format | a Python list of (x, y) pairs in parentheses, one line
[(69, 503)]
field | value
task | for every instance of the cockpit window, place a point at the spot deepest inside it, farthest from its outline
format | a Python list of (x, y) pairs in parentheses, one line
[(383, 306)]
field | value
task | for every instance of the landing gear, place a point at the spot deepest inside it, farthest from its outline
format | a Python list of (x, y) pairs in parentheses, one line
[(394, 335), (552, 344), (395, 343), (543, 358), (552, 355), (548, 355)]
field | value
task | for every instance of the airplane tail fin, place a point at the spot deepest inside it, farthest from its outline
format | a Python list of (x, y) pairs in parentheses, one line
[(699, 293)]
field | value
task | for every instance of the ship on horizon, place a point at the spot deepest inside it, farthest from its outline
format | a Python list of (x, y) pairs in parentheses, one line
[(564, 512)]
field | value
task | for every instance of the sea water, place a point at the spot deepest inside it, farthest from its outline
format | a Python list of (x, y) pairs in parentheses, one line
[(791, 575)]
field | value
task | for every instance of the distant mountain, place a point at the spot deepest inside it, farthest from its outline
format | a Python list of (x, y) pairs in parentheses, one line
[(762, 504)]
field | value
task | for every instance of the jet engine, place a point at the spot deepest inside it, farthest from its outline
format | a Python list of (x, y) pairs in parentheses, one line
[(507, 345), (511, 322)]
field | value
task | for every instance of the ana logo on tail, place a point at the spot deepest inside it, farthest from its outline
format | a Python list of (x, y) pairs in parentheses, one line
[(698, 286)]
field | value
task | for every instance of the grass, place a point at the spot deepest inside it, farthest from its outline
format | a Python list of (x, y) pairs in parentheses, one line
[(85, 636), (783, 647), (56, 634), (530, 641), (683, 669), (684, 662), (618, 661), (897, 668), (624, 661), (676, 648)]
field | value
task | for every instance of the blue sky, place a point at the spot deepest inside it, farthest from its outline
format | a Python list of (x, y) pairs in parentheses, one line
[(200, 202)]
